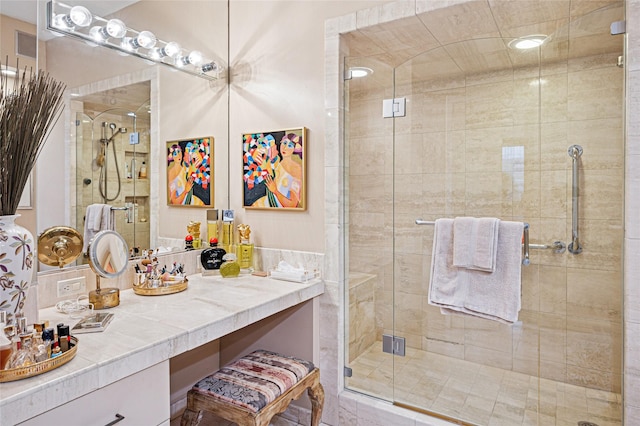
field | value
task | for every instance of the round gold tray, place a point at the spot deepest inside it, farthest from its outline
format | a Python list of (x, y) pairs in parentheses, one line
[(161, 291), (39, 367)]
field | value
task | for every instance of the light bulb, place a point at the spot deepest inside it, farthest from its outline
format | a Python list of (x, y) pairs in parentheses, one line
[(195, 58), (171, 49), (155, 54), (63, 22), (98, 34), (80, 16), (115, 28), (128, 43), (181, 61), (146, 39)]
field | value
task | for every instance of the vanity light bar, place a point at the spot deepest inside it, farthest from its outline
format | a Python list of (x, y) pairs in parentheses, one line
[(78, 22)]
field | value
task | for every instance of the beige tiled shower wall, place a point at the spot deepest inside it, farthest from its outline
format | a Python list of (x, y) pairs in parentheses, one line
[(496, 145), (632, 211)]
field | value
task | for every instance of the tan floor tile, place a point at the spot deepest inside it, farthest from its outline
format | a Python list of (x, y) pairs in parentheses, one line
[(483, 395)]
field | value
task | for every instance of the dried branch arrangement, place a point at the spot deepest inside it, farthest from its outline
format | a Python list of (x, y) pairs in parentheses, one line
[(29, 107)]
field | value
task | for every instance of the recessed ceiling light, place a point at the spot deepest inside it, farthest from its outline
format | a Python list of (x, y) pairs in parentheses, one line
[(528, 42), (358, 72)]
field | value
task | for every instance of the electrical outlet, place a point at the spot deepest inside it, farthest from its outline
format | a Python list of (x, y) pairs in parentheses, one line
[(72, 286)]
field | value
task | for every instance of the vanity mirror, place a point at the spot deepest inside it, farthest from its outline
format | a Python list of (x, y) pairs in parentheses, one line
[(123, 91), (108, 256)]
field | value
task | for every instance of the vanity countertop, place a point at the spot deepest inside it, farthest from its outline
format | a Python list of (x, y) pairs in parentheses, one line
[(147, 330)]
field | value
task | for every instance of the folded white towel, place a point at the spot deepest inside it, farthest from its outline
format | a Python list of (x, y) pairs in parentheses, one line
[(475, 242), (98, 217), (92, 222), (108, 222), (447, 287), (93, 216), (491, 295)]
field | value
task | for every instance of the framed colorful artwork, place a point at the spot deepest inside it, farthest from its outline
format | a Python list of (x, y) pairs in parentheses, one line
[(274, 172), (190, 172)]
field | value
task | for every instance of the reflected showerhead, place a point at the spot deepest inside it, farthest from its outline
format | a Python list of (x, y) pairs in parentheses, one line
[(117, 132), (112, 126)]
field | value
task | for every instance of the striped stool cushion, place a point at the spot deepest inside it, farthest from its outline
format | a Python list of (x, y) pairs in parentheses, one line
[(254, 380)]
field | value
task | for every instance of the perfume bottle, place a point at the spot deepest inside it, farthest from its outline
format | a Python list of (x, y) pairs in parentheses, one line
[(194, 230), (230, 267), (211, 258), (6, 347), (24, 356), (244, 250), (212, 225), (227, 231)]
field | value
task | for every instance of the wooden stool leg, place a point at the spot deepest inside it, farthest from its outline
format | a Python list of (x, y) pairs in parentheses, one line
[(316, 395), (191, 418)]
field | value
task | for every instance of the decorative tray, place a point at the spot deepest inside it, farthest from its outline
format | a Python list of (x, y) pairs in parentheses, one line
[(39, 367), (177, 287)]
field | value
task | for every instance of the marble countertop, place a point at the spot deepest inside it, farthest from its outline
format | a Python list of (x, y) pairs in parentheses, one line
[(147, 330)]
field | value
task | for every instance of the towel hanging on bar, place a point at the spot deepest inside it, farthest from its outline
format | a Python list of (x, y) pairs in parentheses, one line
[(489, 295)]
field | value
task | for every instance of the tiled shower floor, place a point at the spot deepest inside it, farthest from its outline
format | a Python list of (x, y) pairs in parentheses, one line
[(479, 394)]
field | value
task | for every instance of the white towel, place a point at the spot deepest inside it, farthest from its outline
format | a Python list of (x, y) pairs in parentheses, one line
[(108, 222), (491, 295), (475, 243), (93, 217), (98, 217)]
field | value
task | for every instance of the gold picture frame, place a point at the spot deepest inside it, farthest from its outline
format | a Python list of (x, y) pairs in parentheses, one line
[(190, 172), (274, 169)]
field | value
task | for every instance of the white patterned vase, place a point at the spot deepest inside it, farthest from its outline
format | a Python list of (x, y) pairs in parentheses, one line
[(16, 265)]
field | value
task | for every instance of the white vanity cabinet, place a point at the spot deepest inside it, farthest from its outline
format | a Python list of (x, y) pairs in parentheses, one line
[(141, 399)]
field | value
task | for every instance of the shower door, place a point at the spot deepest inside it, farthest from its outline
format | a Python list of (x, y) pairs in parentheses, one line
[(486, 132)]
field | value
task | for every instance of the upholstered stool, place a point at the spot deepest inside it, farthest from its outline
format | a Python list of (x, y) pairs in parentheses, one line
[(251, 390)]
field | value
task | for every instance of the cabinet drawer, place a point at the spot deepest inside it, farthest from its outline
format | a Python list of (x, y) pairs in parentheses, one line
[(142, 398)]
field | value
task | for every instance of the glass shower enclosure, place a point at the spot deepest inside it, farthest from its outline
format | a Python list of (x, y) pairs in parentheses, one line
[(479, 128), (112, 159)]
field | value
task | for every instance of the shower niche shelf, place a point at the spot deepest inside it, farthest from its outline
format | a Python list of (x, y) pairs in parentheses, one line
[(135, 187)]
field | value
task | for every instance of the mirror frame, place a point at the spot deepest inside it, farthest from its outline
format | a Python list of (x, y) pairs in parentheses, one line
[(94, 261)]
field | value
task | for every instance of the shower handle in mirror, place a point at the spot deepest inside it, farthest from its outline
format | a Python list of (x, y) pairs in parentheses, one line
[(108, 257)]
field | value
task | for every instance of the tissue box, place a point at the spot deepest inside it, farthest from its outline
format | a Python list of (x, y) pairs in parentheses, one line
[(295, 276)]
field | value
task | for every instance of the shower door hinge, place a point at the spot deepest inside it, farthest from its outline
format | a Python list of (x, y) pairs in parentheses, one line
[(395, 107), (393, 344), (348, 372), (618, 27)]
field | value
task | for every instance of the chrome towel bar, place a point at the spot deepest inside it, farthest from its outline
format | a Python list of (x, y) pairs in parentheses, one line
[(556, 246)]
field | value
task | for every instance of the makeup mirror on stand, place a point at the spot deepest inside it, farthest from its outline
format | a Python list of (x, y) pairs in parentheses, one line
[(108, 256)]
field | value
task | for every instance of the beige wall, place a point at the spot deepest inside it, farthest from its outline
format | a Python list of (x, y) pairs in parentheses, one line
[(277, 66), (276, 81), (8, 28)]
